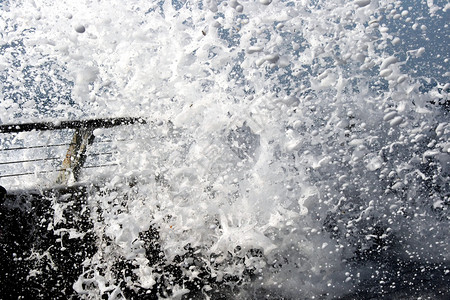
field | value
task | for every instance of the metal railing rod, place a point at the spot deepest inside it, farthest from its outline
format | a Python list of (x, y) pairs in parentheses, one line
[(111, 141), (29, 173), (48, 158), (76, 124), (28, 160), (55, 170), (58, 145), (35, 147), (101, 153), (100, 166)]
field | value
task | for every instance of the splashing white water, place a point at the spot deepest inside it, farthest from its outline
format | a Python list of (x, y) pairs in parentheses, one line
[(294, 127)]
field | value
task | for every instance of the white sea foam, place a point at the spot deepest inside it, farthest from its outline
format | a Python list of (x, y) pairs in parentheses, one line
[(274, 118)]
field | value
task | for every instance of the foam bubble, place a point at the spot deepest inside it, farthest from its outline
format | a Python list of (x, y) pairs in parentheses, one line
[(265, 2), (362, 3), (80, 28)]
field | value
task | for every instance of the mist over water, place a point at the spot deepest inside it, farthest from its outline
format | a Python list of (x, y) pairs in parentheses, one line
[(294, 149)]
